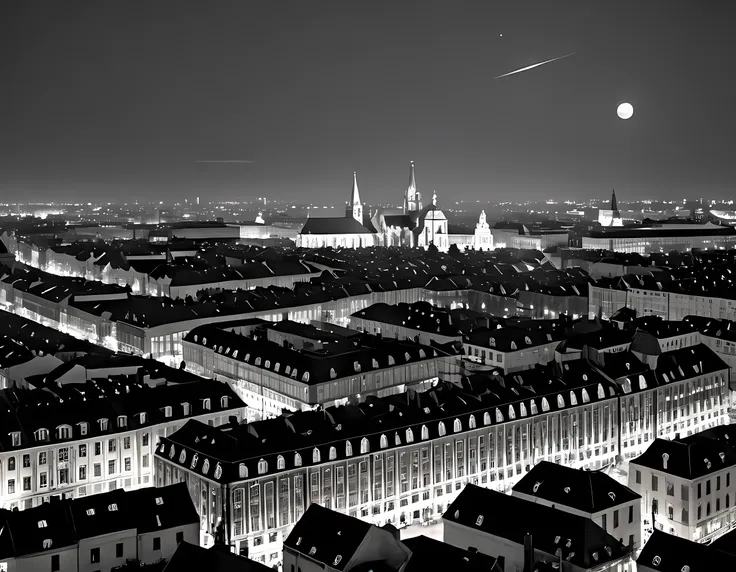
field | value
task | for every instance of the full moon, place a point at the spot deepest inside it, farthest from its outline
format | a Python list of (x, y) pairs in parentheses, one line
[(625, 111)]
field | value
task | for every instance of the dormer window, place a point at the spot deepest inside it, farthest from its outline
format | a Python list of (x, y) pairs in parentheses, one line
[(206, 404), (42, 435), (297, 460), (536, 486), (183, 457), (479, 520), (545, 404), (627, 386), (457, 426), (142, 417), (522, 409), (513, 345), (356, 366), (195, 458), (281, 462), (103, 424), (348, 449), (186, 408), (277, 367), (486, 418), (262, 467), (573, 398), (384, 441), (167, 411), (425, 433), (63, 432), (512, 412), (42, 524), (665, 458), (441, 429), (707, 464), (206, 467), (601, 392), (560, 401), (528, 340), (90, 512), (267, 365), (305, 376), (113, 507), (409, 436), (159, 501), (533, 407), (258, 361), (499, 416), (242, 471), (122, 421), (225, 402), (364, 446), (15, 438), (83, 428), (218, 471), (315, 455)]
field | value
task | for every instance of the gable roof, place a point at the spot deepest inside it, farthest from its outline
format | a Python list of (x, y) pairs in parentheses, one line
[(190, 557), (587, 491), (666, 553), (577, 539), (327, 536)]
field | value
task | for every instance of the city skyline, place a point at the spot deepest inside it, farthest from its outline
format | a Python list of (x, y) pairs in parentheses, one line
[(288, 99)]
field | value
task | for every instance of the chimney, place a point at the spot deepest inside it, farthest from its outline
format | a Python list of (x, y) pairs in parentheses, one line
[(528, 553)]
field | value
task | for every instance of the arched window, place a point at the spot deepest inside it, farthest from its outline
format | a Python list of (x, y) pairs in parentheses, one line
[(486, 418), (224, 402), (206, 404), (364, 446), (262, 467), (183, 457), (384, 441), (533, 407), (218, 471), (601, 391), (471, 422), (315, 455), (499, 416), (64, 432), (441, 429), (457, 426), (242, 471), (512, 412), (545, 404), (348, 449), (522, 409), (409, 436), (280, 463), (586, 397), (573, 398), (297, 460), (560, 401), (333, 453), (425, 432), (627, 386), (206, 467), (195, 458)]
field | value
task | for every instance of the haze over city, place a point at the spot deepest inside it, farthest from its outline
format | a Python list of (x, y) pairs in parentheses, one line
[(144, 100)]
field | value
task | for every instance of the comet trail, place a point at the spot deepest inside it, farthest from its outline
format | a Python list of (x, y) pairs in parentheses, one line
[(534, 66)]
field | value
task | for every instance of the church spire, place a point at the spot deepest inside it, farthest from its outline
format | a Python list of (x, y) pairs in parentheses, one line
[(412, 198), (354, 208), (614, 205)]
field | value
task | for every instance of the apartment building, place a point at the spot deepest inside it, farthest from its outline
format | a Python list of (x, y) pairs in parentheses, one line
[(99, 532), (592, 494), (293, 366), (687, 484), (79, 439)]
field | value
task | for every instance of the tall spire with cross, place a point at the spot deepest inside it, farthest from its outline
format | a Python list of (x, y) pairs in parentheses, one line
[(412, 198), (355, 207)]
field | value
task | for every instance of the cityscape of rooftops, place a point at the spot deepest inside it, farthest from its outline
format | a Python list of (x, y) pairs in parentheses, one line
[(367, 286)]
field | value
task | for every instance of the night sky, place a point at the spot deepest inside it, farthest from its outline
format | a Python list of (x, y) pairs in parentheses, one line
[(120, 100)]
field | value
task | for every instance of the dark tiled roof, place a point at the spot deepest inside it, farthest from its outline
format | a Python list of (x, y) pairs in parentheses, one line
[(333, 225), (579, 540), (691, 457), (430, 554), (666, 553), (189, 557), (587, 491), (327, 536)]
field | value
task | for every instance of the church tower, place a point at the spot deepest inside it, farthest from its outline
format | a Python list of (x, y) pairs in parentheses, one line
[(412, 199), (614, 205), (354, 208)]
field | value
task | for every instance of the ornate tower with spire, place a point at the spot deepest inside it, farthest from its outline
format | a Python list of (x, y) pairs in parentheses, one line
[(354, 208), (412, 198)]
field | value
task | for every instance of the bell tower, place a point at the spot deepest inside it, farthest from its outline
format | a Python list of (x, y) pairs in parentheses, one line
[(354, 208)]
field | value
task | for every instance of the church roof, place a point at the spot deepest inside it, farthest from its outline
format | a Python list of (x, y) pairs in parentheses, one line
[(334, 225), (401, 221)]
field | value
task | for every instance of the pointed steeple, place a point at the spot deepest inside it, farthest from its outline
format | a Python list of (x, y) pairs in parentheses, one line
[(412, 178), (614, 206), (412, 198), (354, 208)]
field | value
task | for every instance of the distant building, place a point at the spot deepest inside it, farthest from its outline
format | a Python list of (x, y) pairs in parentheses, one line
[(99, 532), (611, 217), (534, 533), (661, 238), (192, 557)]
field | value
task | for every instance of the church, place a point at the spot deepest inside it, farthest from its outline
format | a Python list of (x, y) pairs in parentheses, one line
[(412, 226)]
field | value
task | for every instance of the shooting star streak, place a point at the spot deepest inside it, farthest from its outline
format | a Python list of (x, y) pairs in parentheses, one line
[(235, 161), (534, 66)]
